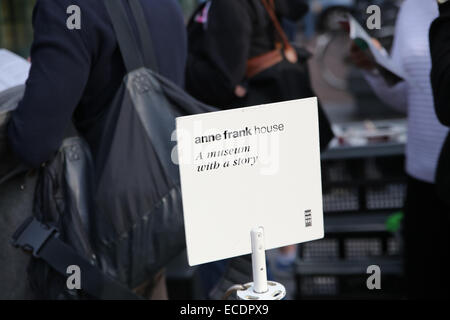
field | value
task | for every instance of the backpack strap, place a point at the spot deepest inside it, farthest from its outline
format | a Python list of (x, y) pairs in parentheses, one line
[(283, 49), (127, 43), (145, 38), (44, 243), (289, 51), (135, 53), (13, 173)]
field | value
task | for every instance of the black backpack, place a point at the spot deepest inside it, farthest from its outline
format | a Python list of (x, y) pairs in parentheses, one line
[(118, 214)]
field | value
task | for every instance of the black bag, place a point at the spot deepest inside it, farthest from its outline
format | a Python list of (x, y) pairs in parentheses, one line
[(16, 202), (61, 187), (9, 100), (118, 215), (139, 219)]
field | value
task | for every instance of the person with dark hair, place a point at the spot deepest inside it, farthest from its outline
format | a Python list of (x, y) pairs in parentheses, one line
[(76, 72)]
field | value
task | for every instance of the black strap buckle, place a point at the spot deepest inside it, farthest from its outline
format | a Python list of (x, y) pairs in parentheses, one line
[(32, 235)]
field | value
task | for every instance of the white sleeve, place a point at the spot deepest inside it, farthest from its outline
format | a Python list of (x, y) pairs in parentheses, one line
[(395, 96)]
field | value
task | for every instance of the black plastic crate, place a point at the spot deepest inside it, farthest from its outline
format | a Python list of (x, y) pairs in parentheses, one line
[(352, 246), (363, 184), (348, 287), (387, 196), (320, 249), (359, 195), (318, 286), (336, 266), (341, 199), (363, 248)]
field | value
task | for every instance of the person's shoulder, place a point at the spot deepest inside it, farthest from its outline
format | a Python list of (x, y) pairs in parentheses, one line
[(61, 5), (52, 17), (62, 8)]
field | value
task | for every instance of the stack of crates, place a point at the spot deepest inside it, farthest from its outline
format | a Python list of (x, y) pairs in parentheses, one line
[(359, 196)]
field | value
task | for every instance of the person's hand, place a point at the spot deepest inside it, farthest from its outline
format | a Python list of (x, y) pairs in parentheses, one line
[(360, 58), (240, 91)]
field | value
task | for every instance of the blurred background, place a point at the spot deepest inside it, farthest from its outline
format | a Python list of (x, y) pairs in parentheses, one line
[(363, 169), (16, 32)]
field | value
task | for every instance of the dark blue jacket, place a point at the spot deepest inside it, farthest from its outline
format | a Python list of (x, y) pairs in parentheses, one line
[(75, 73)]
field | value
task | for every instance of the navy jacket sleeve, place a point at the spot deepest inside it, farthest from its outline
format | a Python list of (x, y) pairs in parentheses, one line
[(440, 54), (59, 72)]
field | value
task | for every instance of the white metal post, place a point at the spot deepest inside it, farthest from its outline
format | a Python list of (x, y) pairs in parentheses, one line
[(260, 288), (259, 260)]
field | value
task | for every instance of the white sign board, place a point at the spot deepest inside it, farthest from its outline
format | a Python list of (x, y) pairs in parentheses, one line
[(250, 167)]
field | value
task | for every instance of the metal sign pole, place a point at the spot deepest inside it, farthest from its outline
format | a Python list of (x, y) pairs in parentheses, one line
[(260, 288)]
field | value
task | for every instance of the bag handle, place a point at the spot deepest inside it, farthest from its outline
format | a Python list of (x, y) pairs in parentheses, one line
[(289, 52), (13, 173), (133, 57), (145, 38), (44, 242)]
